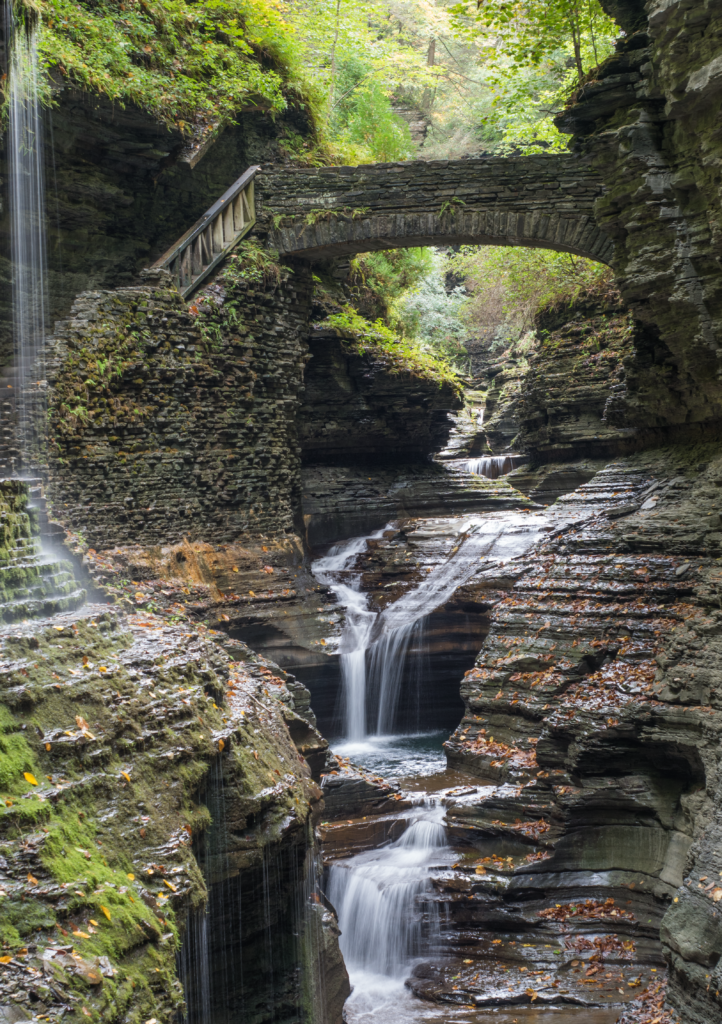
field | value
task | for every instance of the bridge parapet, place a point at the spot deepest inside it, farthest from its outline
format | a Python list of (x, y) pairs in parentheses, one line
[(541, 200)]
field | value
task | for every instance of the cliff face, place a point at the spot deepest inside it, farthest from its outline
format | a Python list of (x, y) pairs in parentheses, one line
[(648, 121), (360, 405), (150, 783), (166, 423), (595, 704)]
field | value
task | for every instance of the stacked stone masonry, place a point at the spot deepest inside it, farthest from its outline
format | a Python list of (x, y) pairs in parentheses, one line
[(195, 437), (542, 200)]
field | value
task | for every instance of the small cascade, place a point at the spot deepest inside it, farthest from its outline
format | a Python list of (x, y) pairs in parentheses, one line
[(377, 898), (374, 645), (493, 466), (27, 240), (33, 584), (334, 570)]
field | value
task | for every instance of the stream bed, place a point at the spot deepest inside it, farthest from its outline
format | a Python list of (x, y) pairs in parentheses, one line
[(418, 908)]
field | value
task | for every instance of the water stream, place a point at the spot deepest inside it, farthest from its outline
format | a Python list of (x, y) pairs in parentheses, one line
[(27, 232), (386, 917), (375, 644), (494, 466), (385, 923)]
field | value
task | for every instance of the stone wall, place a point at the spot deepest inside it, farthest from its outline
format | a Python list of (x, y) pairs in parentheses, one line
[(542, 200), (121, 188), (167, 423), (359, 405), (649, 121)]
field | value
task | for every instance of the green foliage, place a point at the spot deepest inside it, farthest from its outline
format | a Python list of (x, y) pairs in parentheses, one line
[(509, 286), (360, 57), (379, 340), (432, 314), (534, 53), (370, 126), (192, 65), (391, 272), (252, 263)]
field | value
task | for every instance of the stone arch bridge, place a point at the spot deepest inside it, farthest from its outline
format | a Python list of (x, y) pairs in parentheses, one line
[(544, 201)]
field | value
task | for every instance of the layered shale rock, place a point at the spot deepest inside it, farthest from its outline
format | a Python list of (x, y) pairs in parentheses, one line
[(647, 119), (360, 404), (150, 781), (592, 708)]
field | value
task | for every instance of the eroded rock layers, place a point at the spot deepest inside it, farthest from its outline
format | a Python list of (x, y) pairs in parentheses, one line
[(148, 774), (594, 705)]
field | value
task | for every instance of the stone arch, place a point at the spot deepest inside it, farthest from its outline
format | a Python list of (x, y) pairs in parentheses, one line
[(342, 236), (542, 201)]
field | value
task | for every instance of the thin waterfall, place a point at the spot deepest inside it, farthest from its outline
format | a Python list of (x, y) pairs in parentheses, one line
[(378, 897), (374, 645), (386, 665), (27, 232), (335, 570), (493, 466)]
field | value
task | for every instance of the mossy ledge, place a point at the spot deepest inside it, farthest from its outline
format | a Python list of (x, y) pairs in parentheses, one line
[(116, 733)]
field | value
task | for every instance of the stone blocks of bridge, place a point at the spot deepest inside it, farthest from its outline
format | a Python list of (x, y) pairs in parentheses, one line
[(540, 200)]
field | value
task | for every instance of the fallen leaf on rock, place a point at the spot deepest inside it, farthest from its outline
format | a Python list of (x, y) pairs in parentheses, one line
[(221, 745), (125, 776), (105, 911), (32, 879), (5, 959), (29, 777)]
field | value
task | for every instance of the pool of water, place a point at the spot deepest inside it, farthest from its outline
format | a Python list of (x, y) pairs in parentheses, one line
[(398, 758)]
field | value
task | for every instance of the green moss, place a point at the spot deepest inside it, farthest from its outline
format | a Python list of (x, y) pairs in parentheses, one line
[(16, 757), (402, 356), (18, 920), (192, 66)]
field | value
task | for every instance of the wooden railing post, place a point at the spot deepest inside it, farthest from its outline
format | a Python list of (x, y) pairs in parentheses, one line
[(192, 258)]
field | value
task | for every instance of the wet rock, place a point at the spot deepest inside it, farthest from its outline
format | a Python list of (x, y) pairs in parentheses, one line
[(593, 707)]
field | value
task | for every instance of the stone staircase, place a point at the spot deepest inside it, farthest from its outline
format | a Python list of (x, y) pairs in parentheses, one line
[(32, 584)]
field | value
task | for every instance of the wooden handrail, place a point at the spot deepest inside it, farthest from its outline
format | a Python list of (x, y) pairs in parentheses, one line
[(199, 251)]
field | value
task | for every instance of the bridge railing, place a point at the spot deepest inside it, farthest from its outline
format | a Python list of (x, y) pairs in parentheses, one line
[(199, 251)]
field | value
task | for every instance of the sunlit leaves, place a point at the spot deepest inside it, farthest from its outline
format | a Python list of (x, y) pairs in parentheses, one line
[(183, 62), (534, 53)]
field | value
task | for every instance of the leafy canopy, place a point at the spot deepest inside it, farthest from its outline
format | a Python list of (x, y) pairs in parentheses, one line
[(192, 65)]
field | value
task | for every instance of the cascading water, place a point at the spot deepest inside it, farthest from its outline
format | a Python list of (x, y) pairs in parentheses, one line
[(385, 922), (493, 466), (374, 645), (27, 231), (334, 570)]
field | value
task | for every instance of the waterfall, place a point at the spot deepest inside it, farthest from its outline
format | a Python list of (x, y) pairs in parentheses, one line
[(374, 645), (493, 466), (333, 570), (27, 231), (376, 896)]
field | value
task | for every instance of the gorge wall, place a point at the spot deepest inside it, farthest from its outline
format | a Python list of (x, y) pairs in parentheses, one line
[(647, 121)]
